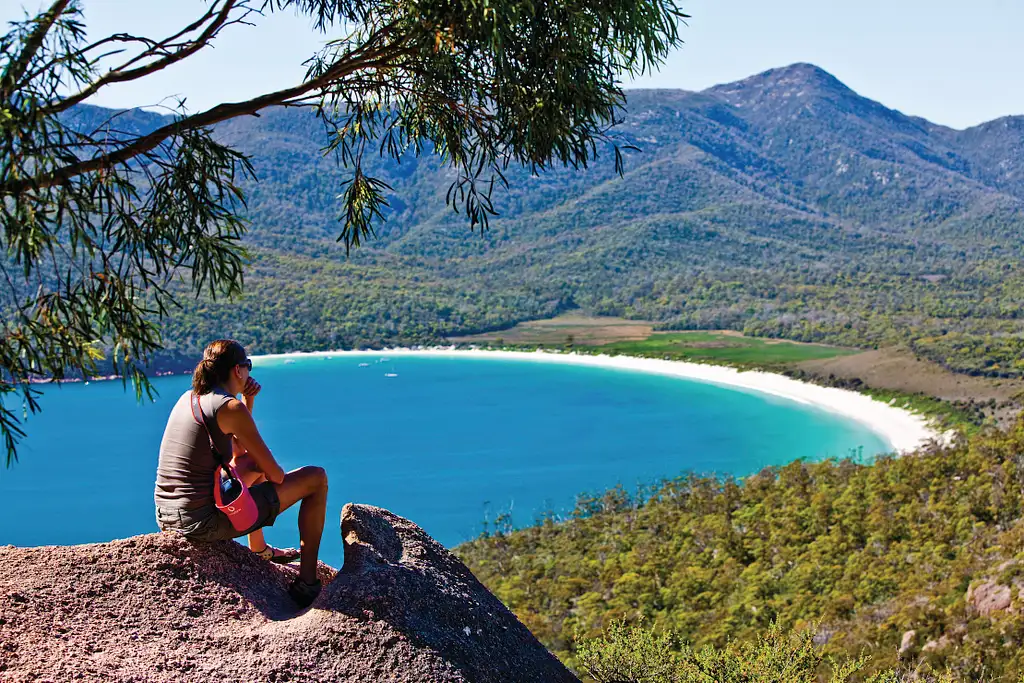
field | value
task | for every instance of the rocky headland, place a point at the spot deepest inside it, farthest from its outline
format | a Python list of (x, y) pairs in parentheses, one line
[(159, 608)]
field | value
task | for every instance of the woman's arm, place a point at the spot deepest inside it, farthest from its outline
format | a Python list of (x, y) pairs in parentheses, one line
[(235, 419), (252, 387)]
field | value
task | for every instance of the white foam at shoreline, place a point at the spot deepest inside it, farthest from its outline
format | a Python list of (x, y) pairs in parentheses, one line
[(901, 429)]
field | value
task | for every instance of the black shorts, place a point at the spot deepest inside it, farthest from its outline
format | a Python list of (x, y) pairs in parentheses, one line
[(218, 527)]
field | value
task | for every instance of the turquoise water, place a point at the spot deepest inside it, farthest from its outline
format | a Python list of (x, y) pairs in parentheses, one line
[(448, 442)]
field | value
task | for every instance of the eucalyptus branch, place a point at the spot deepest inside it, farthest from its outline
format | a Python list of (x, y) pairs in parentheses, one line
[(217, 21), (217, 114), (16, 68)]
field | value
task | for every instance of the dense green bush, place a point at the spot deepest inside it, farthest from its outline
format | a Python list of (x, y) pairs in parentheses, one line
[(634, 654), (859, 553)]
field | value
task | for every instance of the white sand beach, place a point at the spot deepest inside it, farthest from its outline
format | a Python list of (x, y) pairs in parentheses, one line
[(903, 430)]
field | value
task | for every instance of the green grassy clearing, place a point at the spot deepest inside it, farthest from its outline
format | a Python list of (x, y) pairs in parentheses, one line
[(725, 348)]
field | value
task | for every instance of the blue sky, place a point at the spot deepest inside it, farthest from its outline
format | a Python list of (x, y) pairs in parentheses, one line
[(954, 63)]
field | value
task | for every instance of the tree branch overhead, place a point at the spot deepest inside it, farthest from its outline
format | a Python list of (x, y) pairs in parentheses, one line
[(114, 218)]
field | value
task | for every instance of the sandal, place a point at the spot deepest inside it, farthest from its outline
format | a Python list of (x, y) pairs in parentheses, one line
[(304, 593), (273, 554)]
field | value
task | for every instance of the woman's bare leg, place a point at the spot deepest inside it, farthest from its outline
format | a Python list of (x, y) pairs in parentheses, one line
[(256, 540), (308, 485)]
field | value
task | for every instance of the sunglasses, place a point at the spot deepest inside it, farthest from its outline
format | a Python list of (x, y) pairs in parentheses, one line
[(247, 364)]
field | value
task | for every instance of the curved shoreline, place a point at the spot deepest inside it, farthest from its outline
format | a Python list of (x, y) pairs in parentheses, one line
[(901, 429)]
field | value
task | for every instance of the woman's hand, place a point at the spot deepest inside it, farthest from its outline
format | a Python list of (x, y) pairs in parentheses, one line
[(251, 388), (249, 391)]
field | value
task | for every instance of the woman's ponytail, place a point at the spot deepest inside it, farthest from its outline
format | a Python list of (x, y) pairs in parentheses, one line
[(213, 370)]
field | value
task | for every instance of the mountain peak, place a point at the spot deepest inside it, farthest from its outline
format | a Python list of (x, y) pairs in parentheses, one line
[(793, 80), (803, 93), (800, 71)]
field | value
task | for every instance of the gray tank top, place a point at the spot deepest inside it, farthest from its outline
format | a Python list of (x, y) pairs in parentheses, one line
[(184, 473)]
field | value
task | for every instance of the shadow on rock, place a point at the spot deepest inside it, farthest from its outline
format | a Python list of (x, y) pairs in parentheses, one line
[(264, 585), (396, 573)]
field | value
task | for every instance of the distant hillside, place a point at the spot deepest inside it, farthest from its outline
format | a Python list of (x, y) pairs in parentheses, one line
[(782, 205)]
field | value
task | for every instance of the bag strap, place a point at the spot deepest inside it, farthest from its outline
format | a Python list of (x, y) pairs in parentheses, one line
[(200, 418)]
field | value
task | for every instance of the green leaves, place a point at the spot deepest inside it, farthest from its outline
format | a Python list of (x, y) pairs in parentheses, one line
[(483, 85), (363, 199), (629, 654), (88, 262)]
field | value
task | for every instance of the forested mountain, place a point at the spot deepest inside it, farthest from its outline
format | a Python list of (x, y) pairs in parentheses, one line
[(784, 205)]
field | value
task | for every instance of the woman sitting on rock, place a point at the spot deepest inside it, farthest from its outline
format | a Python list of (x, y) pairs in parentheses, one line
[(187, 467)]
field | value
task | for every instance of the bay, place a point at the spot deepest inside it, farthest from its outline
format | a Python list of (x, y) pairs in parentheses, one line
[(447, 442)]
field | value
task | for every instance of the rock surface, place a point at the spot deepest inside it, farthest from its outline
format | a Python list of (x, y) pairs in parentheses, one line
[(989, 597), (907, 641), (159, 608), (936, 645)]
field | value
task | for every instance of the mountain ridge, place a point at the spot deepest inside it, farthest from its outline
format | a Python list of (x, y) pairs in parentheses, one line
[(787, 184)]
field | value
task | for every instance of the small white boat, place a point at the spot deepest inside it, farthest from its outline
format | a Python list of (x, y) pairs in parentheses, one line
[(384, 360), (364, 365), (289, 361), (391, 374)]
